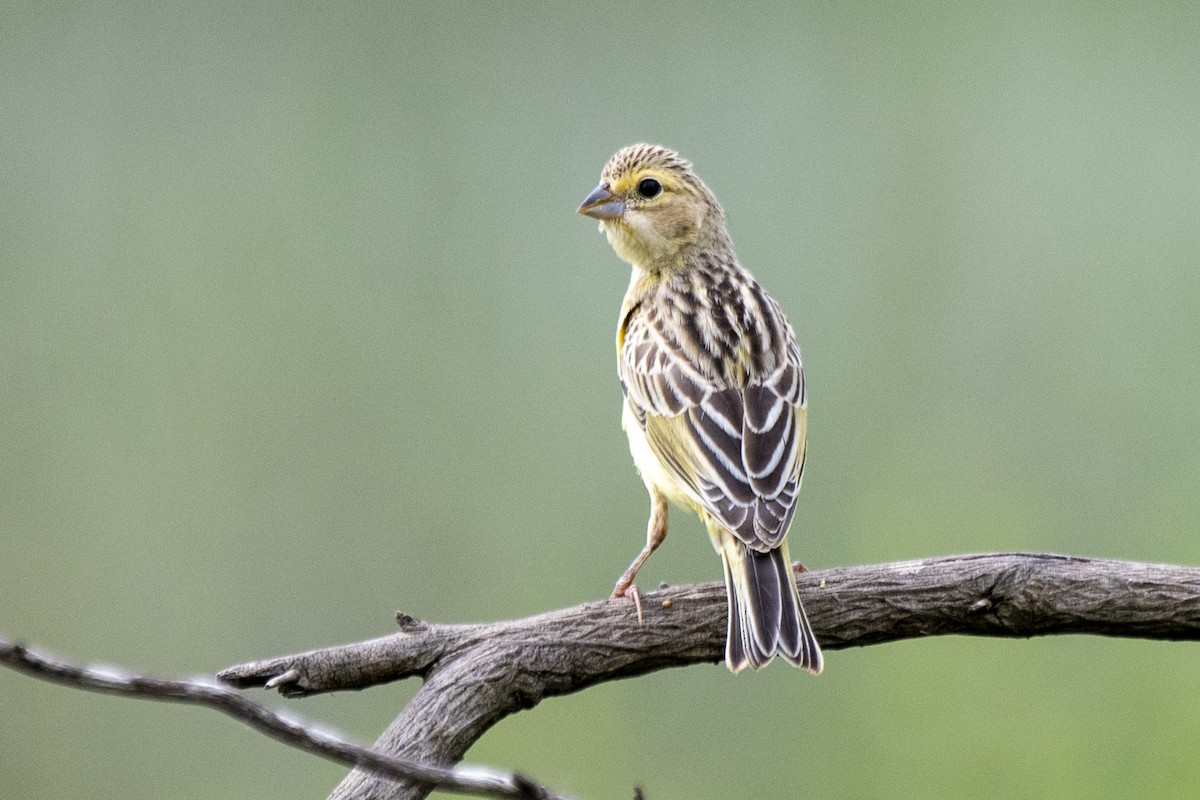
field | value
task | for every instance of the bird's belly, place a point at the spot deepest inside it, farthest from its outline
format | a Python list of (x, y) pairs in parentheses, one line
[(654, 475)]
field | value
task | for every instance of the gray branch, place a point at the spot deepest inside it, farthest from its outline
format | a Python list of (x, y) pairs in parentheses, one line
[(475, 675), (479, 781)]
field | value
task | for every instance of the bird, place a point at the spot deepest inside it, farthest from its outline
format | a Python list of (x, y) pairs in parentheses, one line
[(715, 402)]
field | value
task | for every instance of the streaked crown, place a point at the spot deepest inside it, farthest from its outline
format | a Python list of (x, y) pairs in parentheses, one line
[(637, 157)]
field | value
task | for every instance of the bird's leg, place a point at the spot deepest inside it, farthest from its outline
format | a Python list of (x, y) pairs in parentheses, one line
[(656, 531)]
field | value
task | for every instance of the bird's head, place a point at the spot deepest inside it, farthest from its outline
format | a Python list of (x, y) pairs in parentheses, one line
[(654, 208)]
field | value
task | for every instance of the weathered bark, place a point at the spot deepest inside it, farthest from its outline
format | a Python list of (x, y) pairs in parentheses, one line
[(475, 675)]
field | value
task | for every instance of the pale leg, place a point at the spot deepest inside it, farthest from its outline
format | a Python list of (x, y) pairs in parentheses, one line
[(656, 531)]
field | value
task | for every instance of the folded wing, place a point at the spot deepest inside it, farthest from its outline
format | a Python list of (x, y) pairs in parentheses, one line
[(737, 449)]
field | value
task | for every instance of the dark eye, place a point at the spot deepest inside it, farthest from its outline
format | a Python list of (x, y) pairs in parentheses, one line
[(648, 187)]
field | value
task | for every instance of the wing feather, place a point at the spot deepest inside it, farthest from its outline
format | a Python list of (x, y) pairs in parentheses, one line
[(736, 448)]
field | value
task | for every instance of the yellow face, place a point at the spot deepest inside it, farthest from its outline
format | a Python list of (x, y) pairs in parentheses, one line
[(649, 211)]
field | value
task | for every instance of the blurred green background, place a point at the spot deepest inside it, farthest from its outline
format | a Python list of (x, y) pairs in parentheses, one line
[(298, 327)]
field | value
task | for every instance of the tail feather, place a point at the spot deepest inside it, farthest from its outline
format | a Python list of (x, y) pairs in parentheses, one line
[(766, 617)]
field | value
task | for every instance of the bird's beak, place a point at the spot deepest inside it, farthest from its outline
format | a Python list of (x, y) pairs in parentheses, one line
[(601, 204)]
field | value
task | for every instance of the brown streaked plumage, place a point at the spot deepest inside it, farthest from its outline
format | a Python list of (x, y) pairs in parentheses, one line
[(715, 401)]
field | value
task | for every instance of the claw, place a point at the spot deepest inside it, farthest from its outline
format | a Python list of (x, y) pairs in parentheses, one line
[(637, 600), (627, 588)]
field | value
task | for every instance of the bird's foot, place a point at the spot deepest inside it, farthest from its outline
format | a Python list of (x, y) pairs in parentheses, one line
[(627, 588), (797, 567)]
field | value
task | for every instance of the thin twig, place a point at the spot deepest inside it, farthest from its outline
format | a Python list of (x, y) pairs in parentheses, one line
[(473, 780)]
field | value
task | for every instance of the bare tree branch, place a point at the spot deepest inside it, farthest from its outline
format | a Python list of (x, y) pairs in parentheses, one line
[(475, 675), (480, 781)]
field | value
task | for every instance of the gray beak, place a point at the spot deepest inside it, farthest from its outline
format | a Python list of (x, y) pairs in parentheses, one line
[(601, 204)]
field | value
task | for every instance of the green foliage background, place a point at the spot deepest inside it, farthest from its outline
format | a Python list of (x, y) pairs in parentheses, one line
[(298, 327)]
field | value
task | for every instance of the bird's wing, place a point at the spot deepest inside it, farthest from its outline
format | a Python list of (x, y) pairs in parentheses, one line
[(738, 450)]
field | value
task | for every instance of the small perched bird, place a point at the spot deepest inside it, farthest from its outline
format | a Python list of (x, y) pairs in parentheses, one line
[(715, 403)]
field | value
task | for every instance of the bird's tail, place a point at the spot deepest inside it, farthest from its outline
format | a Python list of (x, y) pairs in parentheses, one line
[(765, 614)]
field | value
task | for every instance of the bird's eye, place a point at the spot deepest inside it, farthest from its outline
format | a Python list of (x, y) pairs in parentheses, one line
[(648, 187)]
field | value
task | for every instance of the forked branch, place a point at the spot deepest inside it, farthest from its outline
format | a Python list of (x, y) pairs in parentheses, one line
[(475, 675)]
